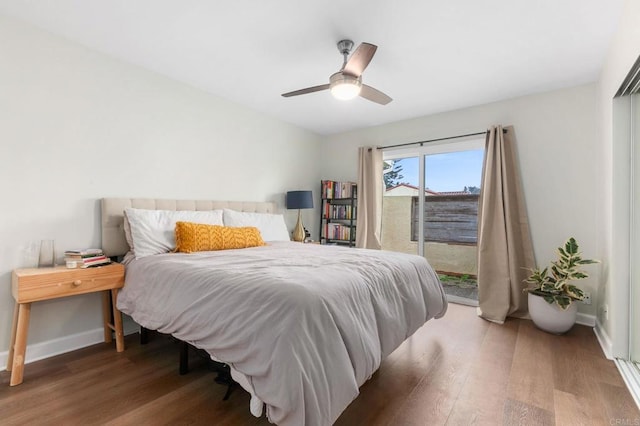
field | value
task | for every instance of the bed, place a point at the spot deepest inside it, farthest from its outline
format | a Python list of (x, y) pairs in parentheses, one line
[(302, 326)]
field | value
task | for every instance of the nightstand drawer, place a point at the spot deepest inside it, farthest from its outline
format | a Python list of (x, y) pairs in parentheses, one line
[(31, 285)]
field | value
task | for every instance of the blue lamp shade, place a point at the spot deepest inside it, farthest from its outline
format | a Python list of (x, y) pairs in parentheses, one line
[(299, 200)]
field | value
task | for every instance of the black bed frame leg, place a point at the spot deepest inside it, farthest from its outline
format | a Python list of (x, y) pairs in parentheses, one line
[(223, 370), (144, 336), (224, 378), (184, 358), (228, 393)]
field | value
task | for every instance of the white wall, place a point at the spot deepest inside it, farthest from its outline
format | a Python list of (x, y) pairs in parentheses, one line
[(76, 126), (558, 153), (623, 52)]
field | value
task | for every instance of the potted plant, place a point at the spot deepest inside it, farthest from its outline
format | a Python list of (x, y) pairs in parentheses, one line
[(552, 292)]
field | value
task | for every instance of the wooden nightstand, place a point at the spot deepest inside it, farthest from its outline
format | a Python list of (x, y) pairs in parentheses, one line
[(36, 284)]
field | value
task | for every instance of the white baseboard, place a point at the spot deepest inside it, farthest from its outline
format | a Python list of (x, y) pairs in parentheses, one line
[(61, 345), (49, 348), (631, 375), (604, 340), (586, 319)]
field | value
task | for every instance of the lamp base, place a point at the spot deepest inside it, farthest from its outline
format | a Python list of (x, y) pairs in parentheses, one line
[(298, 231)]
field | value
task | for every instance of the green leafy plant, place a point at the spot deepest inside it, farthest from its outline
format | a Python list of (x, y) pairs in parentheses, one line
[(553, 283)]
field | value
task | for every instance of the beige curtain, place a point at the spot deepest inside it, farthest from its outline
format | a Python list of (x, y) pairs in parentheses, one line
[(369, 198), (505, 251)]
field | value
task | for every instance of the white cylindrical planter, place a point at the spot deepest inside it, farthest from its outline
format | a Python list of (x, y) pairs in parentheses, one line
[(550, 317)]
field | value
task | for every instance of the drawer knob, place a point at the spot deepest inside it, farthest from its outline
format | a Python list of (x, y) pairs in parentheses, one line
[(76, 283)]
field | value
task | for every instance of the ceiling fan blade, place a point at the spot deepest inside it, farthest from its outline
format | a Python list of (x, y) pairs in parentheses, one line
[(374, 95), (307, 90), (360, 59)]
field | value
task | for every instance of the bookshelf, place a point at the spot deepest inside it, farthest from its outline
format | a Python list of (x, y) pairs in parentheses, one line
[(338, 213)]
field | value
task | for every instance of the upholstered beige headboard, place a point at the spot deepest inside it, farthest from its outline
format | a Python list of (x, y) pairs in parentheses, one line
[(113, 240)]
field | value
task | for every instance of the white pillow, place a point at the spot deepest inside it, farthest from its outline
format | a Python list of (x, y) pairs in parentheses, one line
[(153, 231), (271, 226)]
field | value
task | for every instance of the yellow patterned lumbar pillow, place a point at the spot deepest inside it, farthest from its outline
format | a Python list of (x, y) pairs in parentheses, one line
[(192, 237)]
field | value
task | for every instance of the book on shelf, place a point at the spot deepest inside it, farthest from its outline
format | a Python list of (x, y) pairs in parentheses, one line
[(99, 262), (81, 256), (84, 252), (88, 261), (336, 231), (85, 258), (339, 211), (334, 189)]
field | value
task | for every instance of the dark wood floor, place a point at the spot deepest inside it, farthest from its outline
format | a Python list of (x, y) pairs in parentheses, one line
[(459, 370)]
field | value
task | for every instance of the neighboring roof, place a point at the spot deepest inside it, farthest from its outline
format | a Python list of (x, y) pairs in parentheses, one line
[(456, 193), (407, 189)]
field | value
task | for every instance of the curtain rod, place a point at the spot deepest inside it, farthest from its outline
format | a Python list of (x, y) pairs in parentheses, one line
[(436, 140)]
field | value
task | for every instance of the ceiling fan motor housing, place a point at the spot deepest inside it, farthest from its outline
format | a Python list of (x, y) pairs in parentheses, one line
[(342, 78)]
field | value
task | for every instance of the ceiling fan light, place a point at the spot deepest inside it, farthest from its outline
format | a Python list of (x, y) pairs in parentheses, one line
[(344, 86), (345, 91)]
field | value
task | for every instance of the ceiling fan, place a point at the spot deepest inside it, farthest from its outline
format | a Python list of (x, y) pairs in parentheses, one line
[(347, 83)]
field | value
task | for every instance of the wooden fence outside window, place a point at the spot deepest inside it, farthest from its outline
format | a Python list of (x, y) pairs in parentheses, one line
[(449, 219)]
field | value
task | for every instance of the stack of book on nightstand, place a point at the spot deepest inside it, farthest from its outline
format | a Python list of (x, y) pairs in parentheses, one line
[(85, 258)]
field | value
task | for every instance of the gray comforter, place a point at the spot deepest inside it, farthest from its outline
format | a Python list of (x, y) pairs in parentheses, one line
[(306, 324)]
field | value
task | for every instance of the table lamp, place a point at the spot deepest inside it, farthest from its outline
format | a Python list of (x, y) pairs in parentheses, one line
[(299, 200)]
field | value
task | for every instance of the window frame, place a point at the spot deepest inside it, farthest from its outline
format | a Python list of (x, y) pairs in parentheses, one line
[(421, 151)]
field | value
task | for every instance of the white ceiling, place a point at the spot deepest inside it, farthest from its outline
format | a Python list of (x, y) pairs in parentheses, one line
[(433, 55)]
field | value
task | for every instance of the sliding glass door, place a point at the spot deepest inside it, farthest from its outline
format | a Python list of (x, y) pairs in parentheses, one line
[(430, 207), (624, 269), (634, 308)]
